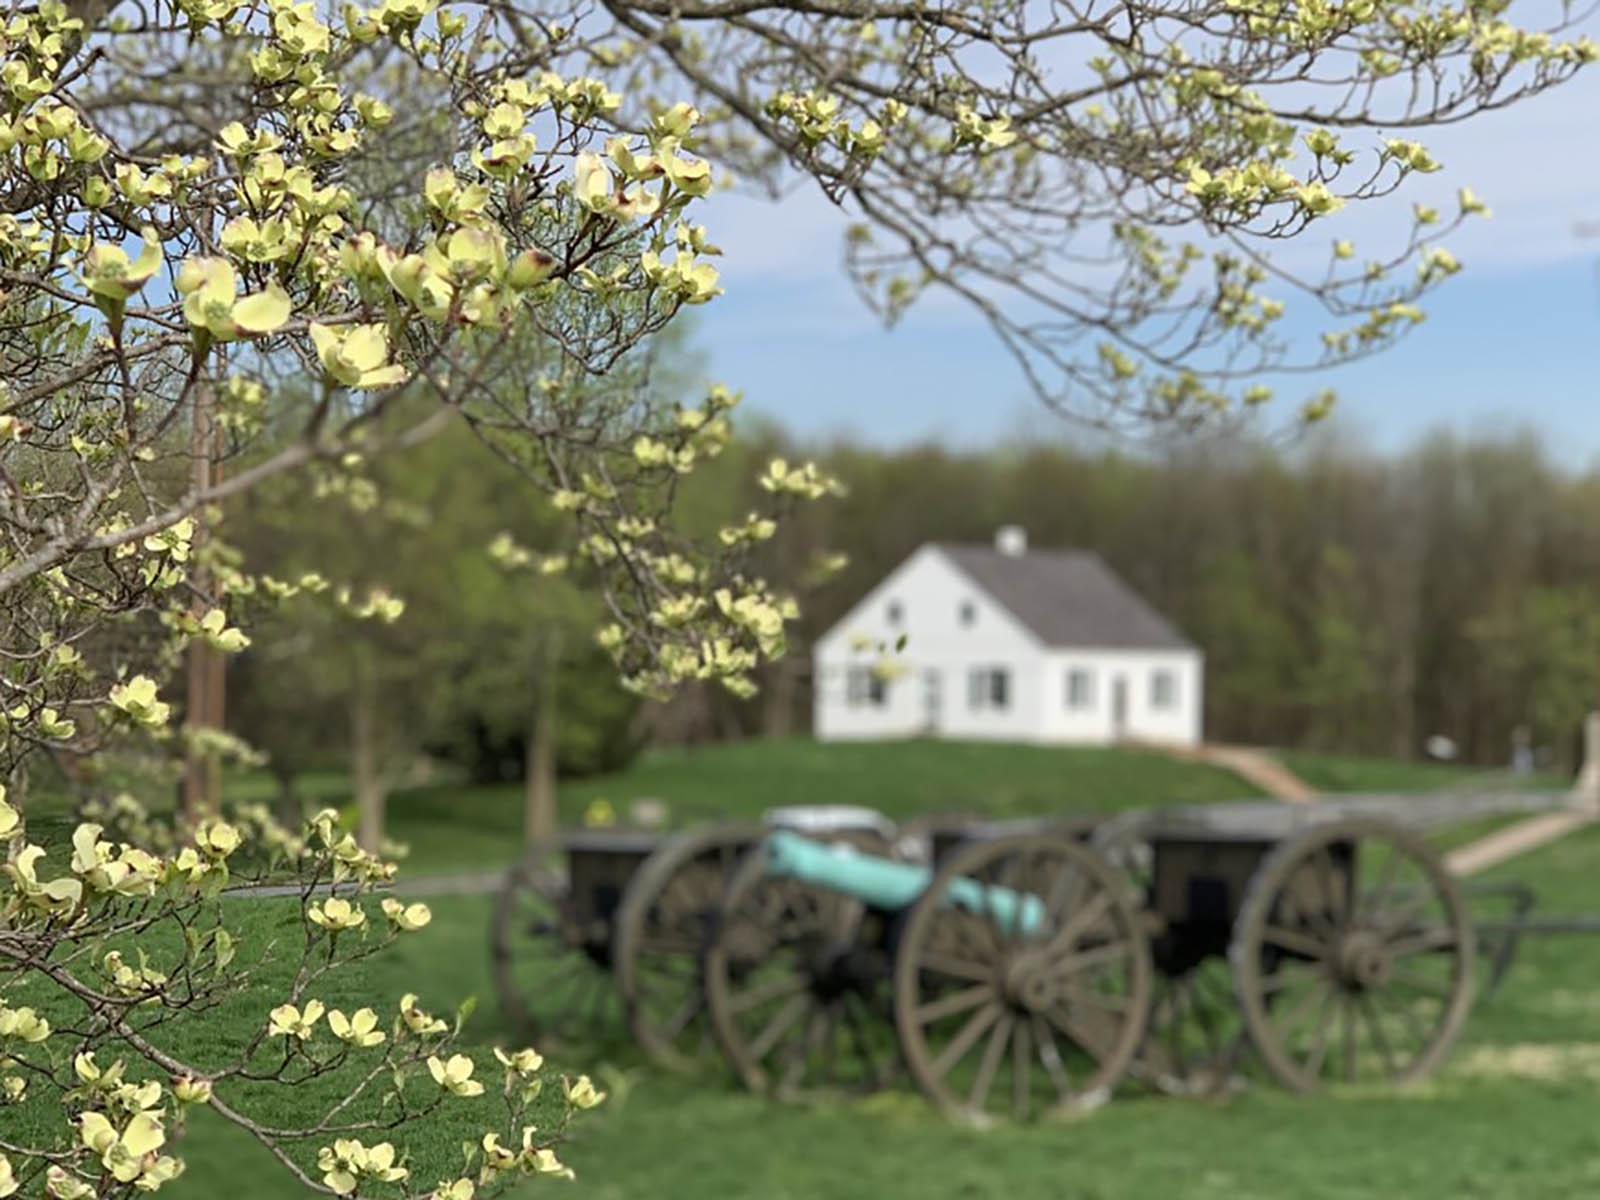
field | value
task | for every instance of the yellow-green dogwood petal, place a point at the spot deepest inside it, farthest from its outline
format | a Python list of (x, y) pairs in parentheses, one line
[(107, 271)]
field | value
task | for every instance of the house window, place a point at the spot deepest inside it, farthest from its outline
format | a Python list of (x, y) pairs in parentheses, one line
[(988, 688), (896, 613), (865, 688), (1080, 688), (968, 614), (1163, 690)]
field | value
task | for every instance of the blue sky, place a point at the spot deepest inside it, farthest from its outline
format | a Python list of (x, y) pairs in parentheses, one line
[(1511, 342)]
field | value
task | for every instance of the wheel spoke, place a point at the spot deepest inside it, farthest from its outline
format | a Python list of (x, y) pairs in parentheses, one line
[(1101, 1000), (1087, 960), (1280, 979), (1295, 1017), (1080, 1031), (1065, 889), (956, 1002), (963, 1041), (775, 989), (778, 1026), (1080, 920), (1021, 1072), (860, 1036), (1379, 1039), (675, 946), (1050, 1056), (1294, 941), (1418, 1033), (827, 1069), (957, 968), (691, 1007), (1374, 899), (798, 1051), (989, 1063), (1319, 1044), (1441, 938), (1328, 884), (1347, 1007), (1403, 917)]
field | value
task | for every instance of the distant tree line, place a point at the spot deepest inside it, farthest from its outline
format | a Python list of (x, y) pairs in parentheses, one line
[(1345, 600)]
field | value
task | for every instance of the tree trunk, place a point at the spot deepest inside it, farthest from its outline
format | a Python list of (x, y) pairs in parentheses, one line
[(777, 710), (217, 718), (368, 777), (290, 812), (17, 798), (539, 775), (203, 773)]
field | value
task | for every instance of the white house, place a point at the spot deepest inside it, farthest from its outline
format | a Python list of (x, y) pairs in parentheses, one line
[(1007, 643)]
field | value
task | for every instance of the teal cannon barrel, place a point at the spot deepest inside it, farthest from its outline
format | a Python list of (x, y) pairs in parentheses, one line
[(884, 884)]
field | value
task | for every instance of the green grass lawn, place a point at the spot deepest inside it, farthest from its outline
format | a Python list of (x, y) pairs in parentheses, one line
[(452, 826), (1509, 1116), (1350, 773), (455, 826)]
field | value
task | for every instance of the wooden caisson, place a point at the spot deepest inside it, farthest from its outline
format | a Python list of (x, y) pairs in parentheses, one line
[(1016, 969)]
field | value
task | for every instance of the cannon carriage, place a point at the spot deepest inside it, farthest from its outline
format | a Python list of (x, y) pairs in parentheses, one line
[(1026, 972), (1020, 968)]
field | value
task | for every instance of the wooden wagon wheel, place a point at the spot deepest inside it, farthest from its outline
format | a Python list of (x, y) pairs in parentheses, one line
[(1051, 992), (664, 927), (797, 984), (1195, 1041), (1352, 957), (553, 978)]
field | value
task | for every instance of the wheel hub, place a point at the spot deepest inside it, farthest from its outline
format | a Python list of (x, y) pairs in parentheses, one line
[(1363, 961), (1029, 987)]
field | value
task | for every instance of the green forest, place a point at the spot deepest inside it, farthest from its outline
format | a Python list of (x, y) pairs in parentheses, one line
[(1346, 600)]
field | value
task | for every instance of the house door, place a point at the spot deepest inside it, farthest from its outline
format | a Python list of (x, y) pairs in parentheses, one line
[(932, 699), (1119, 707)]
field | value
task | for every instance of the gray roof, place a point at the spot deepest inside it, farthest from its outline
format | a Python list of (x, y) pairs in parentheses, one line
[(1067, 598)]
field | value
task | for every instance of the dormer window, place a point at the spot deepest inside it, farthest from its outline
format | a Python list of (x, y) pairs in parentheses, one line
[(968, 614), (896, 614)]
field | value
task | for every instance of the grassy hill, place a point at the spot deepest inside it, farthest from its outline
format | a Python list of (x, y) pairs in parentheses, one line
[(452, 825)]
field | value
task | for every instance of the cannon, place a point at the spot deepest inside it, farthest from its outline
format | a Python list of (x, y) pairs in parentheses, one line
[(836, 970), (1024, 975)]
